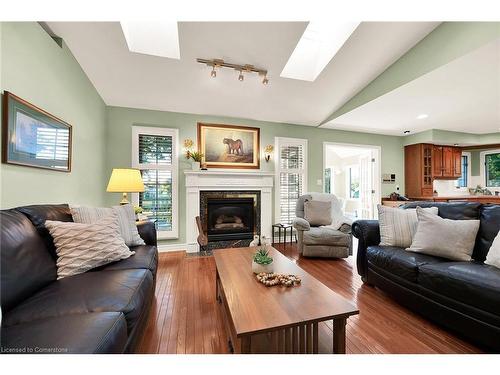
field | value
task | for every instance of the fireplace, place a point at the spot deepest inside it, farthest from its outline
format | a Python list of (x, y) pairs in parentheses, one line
[(230, 218)]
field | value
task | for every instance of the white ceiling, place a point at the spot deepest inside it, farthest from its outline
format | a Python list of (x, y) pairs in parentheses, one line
[(463, 96), (129, 79)]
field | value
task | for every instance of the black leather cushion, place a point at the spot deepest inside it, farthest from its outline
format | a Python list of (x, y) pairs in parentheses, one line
[(26, 265), (472, 283), (126, 291), (147, 231), (39, 213), (145, 257), (104, 332), (453, 210), (488, 230), (398, 261)]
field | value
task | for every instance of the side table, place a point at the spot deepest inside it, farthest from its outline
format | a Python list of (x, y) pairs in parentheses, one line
[(285, 227)]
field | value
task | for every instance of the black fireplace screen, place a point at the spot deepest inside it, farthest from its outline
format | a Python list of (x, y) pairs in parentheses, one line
[(230, 218)]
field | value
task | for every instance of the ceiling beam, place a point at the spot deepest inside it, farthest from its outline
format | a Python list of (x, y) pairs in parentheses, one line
[(447, 42)]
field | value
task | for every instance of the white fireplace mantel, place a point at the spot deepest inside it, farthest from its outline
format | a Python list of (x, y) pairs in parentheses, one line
[(226, 180)]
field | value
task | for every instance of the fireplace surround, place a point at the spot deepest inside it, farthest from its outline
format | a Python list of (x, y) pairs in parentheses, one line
[(230, 218), (235, 184)]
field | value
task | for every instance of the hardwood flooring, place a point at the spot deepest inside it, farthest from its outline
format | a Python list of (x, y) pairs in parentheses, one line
[(186, 319)]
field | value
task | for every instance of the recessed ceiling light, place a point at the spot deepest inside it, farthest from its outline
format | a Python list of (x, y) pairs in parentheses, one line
[(152, 38), (317, 46), (406, 132), (422, 116), (455, 144)]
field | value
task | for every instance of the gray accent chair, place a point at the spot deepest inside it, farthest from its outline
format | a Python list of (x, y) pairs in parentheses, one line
[(320, 241)]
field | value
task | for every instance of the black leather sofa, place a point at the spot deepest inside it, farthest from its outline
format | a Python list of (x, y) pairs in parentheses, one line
[(462, 296), (104, 310)]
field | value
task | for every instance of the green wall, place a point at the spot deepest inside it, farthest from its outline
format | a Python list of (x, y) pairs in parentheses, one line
[(119, 143), (35, 68)]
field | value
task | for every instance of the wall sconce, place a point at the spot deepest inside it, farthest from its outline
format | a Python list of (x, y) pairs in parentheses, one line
[(268, 150)]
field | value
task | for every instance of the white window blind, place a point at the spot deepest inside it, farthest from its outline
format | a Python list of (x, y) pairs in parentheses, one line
[(291, 173), (154, 152)]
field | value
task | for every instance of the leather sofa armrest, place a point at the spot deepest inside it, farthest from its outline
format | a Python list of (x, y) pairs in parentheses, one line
[(301, 224), (147, 231), (368, 234)]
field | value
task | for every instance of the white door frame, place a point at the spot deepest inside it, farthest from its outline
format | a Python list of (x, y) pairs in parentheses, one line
[(377, 175)]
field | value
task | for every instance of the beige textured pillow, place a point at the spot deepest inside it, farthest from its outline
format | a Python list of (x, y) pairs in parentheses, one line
[(126, 220), (445, 238), (493, 257), (398, 226), (318, 212), (81, 247)]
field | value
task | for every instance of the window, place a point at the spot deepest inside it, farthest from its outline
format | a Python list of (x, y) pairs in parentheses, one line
[(154, 152), (492, 168), (328, 180), (354, 182), (291, 176), (463, 181)]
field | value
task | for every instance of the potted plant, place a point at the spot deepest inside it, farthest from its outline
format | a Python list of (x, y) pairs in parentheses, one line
[(196, 156), (190, 154), (262, 262)]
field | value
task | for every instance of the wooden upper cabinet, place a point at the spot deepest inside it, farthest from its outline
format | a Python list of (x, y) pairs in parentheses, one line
[(425, 163), (457, 162), (437, 161), (448, 162)]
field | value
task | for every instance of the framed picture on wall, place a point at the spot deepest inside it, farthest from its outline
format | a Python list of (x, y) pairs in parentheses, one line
[(229, 146), (32, 137)]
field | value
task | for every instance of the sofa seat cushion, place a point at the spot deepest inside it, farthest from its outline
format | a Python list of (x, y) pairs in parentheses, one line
[(472, 283), (104, 332), (326, 236), (398, 261), (145, 257), (126, 291)]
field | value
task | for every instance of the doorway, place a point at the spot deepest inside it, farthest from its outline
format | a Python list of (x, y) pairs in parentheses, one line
[(352, 173)]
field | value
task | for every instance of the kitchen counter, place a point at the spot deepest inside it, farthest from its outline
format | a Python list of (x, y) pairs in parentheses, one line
[(472, 198)]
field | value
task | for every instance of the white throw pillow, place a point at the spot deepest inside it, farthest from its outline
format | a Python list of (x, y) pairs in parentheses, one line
[(445, 238), (398, 226), (81, 247), (126, 220), (493, 257)]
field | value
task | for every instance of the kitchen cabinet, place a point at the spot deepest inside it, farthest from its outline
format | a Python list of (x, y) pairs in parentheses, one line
[(425, 163)]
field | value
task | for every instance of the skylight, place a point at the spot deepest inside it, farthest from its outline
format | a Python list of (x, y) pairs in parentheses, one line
[(152, 38), (317, 46)]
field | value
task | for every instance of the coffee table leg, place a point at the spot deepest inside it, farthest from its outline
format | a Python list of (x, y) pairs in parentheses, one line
[(246, 345), (339, 335)]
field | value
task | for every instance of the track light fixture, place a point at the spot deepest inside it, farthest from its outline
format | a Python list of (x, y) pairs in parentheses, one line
[(247, 68)]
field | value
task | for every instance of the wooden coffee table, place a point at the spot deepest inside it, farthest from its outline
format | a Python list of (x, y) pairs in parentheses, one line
[(260, 319)]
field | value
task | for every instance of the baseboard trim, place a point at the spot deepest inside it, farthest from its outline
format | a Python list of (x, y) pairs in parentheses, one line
[(188, 248)]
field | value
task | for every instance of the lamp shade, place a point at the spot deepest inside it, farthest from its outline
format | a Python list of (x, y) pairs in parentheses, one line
[(125, 181)]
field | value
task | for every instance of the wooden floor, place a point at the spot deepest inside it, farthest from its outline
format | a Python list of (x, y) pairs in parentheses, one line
[(186, 319)]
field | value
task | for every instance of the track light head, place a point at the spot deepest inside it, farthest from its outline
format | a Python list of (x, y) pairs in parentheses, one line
[(241, 77), (213, 73), (265, 81)]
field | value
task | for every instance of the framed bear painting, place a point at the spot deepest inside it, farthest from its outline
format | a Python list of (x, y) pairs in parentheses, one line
[(229, 146)]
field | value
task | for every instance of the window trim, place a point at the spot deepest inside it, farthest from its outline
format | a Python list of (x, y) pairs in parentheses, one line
[(279, 141), (482, 156), (174, 168)]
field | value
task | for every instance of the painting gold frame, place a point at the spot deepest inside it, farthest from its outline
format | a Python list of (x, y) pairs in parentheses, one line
[(226, 146)]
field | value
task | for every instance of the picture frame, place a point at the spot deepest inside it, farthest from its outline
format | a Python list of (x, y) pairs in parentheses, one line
[(32, 137), (229, 146)]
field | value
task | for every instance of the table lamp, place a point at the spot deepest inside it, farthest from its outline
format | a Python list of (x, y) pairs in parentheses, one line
[(125, 180)]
